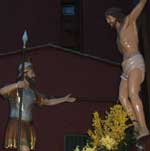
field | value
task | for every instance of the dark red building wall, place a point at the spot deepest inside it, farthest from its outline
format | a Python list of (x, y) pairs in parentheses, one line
[(41, 18), (44, 22)]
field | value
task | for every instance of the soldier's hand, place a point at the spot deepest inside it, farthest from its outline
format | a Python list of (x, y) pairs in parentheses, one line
[(22, 84), (69, 99)]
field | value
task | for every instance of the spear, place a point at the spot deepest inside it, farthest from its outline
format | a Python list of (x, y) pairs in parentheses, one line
[(20, 97)]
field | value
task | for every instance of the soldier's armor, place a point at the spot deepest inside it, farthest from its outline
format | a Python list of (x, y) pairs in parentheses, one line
[(28, 100)]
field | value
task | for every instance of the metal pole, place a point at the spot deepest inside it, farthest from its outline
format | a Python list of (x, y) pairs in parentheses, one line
[(20, 91)]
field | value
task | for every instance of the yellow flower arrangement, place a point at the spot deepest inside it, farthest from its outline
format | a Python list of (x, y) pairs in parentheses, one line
[(97, 134), (85, 148), (108, 142), (88, 148), (109, 133)]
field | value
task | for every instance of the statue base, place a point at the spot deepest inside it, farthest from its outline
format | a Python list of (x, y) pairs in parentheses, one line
[(143, 144)]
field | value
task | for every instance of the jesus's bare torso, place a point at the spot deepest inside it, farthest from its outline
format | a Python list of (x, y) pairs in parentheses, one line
[(127, 40)]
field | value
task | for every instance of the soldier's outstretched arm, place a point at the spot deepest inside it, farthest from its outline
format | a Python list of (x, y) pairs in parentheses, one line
[(55, 101)]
